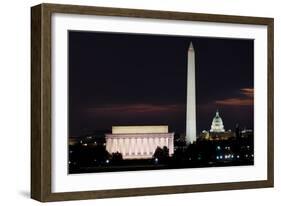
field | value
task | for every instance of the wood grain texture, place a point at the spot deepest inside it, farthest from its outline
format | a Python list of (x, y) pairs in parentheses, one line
[(270, 102), (41, 101), (36, 58)]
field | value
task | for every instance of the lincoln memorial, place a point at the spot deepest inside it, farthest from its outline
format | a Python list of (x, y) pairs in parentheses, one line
[(139, 142)]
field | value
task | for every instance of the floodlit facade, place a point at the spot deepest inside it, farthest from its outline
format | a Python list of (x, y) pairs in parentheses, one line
[(217, 131), (191, 97), (139, 142), (217, 124)]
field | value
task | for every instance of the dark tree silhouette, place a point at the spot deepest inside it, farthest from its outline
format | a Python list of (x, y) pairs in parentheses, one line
[(161, 155), (116, 157)]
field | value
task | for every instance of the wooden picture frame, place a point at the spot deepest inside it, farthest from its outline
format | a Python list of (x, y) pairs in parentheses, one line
[(41, 173)]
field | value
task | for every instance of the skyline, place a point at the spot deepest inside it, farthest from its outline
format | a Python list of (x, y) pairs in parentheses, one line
[(144, 82)]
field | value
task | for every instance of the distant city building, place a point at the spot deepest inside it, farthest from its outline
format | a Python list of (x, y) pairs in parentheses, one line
[(139, 142), (93, 138), (246, 133)]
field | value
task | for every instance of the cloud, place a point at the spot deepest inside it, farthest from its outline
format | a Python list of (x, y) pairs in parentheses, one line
[(247, 98), (235, 102), (136, 109), (249, 92)]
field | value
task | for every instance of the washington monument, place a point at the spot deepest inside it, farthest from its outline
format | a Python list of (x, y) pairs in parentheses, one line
[(191, 97)]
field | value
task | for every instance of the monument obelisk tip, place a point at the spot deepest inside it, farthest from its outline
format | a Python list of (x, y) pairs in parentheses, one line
[(191, 46)]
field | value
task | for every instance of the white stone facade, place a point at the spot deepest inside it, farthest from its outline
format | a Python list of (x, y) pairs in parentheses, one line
[(217, 124), (139, 146), (191, 97)]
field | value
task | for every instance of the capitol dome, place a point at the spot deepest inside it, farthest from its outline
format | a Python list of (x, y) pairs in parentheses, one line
[(217, 124)]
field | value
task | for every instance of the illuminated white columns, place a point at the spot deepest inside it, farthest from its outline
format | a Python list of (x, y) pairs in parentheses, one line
[(138, 146)]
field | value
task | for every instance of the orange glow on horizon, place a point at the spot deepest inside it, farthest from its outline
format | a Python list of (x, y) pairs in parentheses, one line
[(247, 100)]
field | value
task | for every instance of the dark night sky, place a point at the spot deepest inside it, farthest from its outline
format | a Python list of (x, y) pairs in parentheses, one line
[(129, 79)]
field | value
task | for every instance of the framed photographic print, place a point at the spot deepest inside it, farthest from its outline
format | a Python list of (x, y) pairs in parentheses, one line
[(132, 102)]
